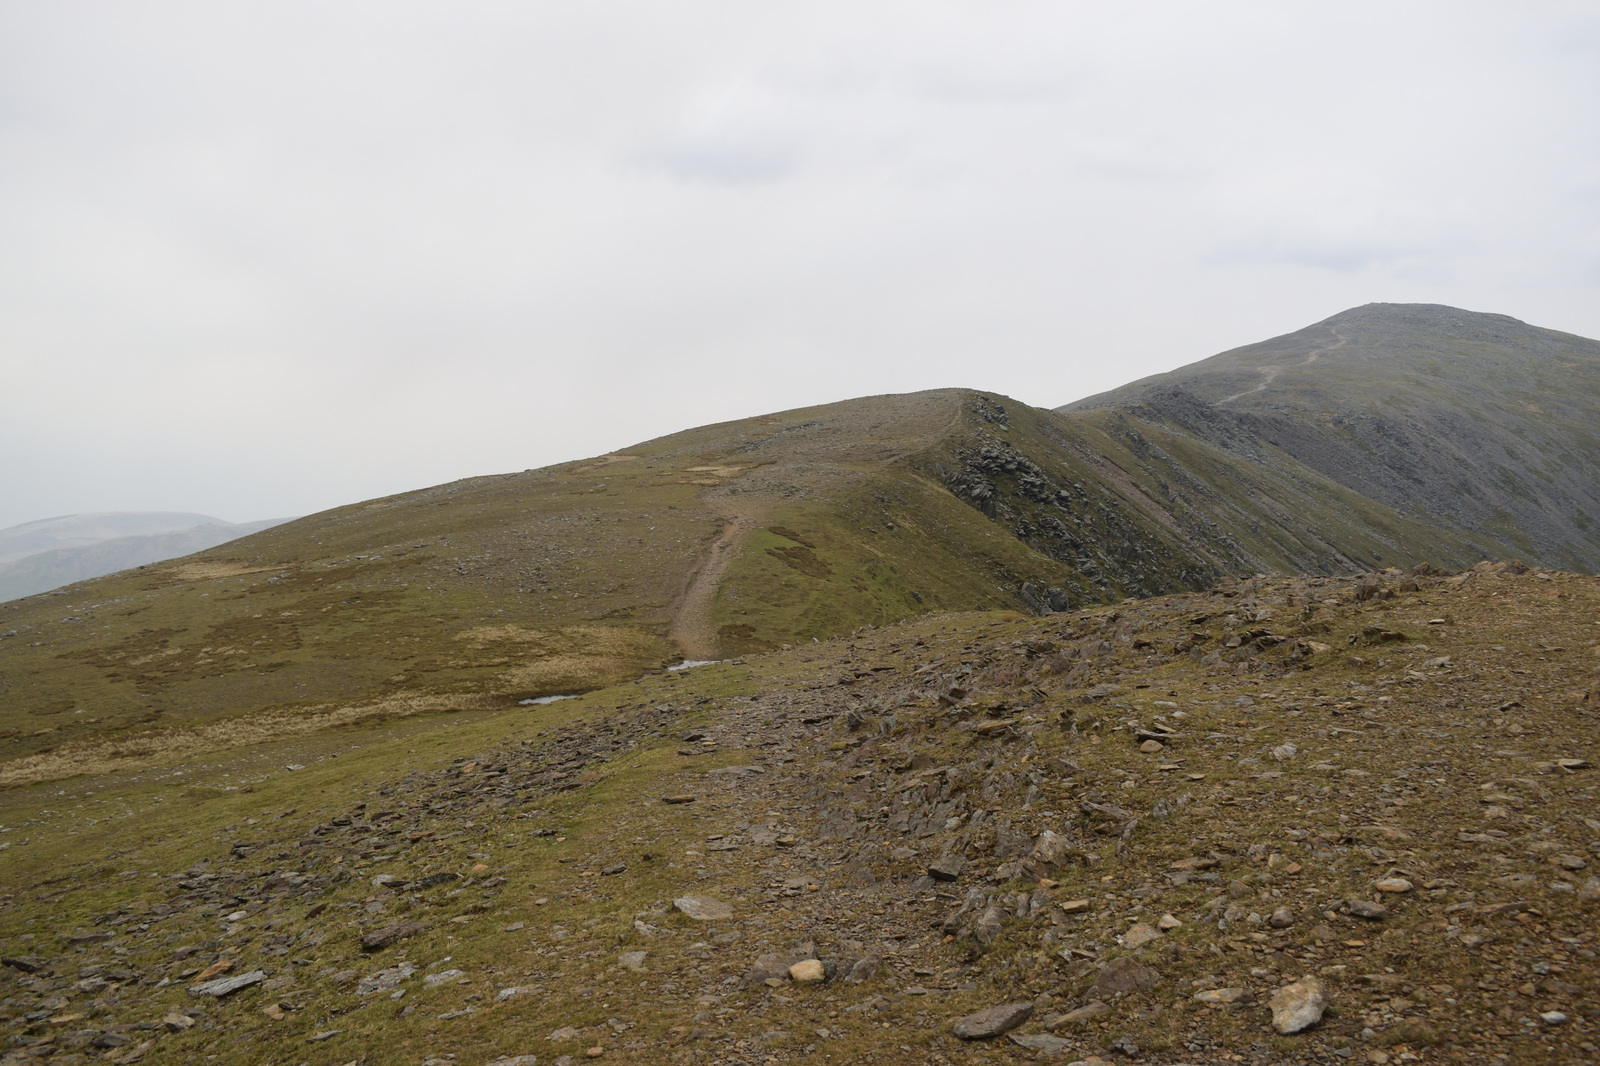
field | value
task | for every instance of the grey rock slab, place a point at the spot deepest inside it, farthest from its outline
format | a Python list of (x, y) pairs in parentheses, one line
[(946, 868), (1053, 849), (1043, 1043), (1139, 935), (1085, 1014), (385, 980), (443, 977), (865, 969), (704, 908), (390, 934), (1298, 1006), (225, 986), (1124, 974), (1364, 908), (993, 1021)]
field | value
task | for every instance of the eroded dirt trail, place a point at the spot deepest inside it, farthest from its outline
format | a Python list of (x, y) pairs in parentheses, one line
[(692, 627)]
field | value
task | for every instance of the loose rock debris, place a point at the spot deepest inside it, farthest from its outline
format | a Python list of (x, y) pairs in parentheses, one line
[(1380, 853)]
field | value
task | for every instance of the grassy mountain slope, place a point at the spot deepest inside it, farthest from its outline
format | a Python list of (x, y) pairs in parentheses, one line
[(1475, 423), (725, 539)]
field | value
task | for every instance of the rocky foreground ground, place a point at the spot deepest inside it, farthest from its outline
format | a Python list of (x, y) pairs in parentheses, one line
[(1287, 821)]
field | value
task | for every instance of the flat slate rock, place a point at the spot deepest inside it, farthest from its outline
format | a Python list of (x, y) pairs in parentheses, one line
[(226, 986), (704, 908), (1041, 1042), (1124, 974), (993, 1021), (385, 980), (25, 963)]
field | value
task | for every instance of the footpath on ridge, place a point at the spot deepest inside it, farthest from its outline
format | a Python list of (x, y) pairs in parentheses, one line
[(1347, 820)]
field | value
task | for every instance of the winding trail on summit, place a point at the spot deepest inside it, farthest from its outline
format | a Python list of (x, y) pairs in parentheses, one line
[(691, 627), (1272, 372)]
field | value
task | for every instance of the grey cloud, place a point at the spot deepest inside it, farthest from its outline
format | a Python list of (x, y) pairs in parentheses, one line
[(721, 160), (263, 259)]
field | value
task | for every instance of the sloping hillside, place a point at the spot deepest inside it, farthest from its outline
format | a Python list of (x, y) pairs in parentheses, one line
[(725, 539), (1476, 423)]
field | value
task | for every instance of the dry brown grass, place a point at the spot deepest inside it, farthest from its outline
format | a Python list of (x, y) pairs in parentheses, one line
[(136, 751), (582, 659)]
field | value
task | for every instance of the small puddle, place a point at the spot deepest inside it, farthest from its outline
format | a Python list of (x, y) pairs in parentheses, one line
[(548, 699), (690, 663)]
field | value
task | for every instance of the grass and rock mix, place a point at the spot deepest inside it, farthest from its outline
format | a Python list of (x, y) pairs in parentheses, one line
[(1331, 820)]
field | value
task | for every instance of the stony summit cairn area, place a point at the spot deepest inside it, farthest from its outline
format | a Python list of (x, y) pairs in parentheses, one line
[(1290, 821)]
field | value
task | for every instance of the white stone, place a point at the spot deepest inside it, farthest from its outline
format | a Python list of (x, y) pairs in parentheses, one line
[(807, 972), (1298, 1006)]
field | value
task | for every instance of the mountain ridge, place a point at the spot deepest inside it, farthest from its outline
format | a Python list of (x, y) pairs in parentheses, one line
[(1131, 733), (737, 538), (1479, 422), (50, 568)]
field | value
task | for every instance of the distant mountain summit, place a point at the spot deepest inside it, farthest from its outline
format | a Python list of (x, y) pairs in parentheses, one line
[(80, 530), (52, 552), (1477, 423)]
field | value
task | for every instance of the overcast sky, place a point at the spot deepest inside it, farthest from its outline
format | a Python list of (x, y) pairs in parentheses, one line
[(262, 259)]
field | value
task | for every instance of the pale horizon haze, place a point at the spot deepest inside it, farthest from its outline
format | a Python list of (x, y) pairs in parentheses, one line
[(265, 259)]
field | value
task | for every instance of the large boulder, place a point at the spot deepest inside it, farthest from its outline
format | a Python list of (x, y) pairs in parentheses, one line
[(1298, 1006)]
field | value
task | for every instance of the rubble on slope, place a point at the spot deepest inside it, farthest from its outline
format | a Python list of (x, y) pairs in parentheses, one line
[(1292, 821)]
